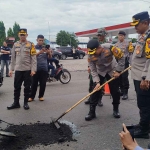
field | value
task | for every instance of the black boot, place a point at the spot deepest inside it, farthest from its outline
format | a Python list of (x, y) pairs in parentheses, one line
[(141, 132), (14, 106), (26, 106), (138, 126), (116, 111), (88, 101), (91, 114), (125, 95)]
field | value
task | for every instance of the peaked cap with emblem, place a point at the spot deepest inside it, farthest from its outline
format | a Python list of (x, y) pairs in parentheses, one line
[(137, 18), (23, 31), (92, 45)]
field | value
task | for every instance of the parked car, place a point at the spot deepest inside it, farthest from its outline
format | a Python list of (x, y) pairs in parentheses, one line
[(56, 54), (67, 52)]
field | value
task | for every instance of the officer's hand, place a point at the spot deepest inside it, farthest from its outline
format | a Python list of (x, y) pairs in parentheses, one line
[(89, 70), (116, 74), (49, 52), (144, 85), (97, 86), (10, 73), (32, 73)]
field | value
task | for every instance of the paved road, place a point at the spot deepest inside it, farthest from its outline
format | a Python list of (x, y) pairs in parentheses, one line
[(99, 134)]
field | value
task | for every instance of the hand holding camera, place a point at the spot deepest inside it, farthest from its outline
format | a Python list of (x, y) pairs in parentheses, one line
[(127, 138)]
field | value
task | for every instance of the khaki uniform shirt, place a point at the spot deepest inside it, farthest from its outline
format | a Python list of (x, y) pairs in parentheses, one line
[(23, 57), (124, 46), (105, 63), (140, 64)]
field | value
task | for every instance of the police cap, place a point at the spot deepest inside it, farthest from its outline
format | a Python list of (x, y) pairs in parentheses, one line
[(92, 45), (137, 18), (122, 33), (23, 31)]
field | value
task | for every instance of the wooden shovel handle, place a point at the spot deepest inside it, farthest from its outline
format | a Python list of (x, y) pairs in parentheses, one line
[(90, 95)]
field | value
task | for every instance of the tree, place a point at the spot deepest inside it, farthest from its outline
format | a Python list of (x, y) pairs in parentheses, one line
[(134, 40), (65, 38), (62, 38), (2, 33), (10, 32), (16, 28)]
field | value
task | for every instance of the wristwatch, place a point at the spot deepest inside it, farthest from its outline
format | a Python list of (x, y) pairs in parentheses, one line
[(144, 77)]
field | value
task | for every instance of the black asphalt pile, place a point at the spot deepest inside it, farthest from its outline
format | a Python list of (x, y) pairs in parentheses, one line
[(35, 134)]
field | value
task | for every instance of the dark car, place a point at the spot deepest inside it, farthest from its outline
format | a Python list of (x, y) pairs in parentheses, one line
[(68, 52), (56, 54)]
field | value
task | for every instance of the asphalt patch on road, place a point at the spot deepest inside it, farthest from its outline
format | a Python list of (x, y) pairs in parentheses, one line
[(35, 134)]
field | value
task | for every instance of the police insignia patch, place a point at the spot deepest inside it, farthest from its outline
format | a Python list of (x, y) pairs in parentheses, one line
[(28, 45), (147, 48), (33, 50), (117, 52)]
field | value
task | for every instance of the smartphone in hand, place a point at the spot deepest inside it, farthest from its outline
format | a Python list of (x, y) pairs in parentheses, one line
[(131, 130)]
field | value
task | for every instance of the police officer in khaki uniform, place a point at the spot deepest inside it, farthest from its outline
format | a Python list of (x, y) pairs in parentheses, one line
[(140, 72), (127, 49), (101, 35), (103, 66), (23, 62)]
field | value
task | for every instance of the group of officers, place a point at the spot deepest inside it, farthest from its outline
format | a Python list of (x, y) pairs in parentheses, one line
[(106, 61)]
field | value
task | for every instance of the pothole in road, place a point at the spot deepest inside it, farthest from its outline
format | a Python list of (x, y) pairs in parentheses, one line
[(38, 134)]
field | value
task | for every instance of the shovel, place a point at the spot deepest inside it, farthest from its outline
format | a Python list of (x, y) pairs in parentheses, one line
[(8, 134), (55, 121)]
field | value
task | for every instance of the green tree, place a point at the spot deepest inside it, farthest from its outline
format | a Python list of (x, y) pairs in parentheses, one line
[(2, 33), (16, 28), (10, 32), (134, 40), (64, 38)]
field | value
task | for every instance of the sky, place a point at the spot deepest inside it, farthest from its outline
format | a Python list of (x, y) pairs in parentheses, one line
[(48, 17)]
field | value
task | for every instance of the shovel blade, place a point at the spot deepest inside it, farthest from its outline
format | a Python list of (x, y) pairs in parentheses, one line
[(10, 134), (55, 123)]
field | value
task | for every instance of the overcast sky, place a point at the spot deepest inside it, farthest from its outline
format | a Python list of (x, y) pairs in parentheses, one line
[(38, 16)]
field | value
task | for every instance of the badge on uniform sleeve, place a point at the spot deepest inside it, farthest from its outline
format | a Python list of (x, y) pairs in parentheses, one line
[(147, 48), (117, 52), (33, 50), (131, 48)]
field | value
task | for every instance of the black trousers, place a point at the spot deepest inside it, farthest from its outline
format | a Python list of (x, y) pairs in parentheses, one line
[(41, 77), (92, 85), (114, 90), (143, 102), (123, 79), (20, 77)]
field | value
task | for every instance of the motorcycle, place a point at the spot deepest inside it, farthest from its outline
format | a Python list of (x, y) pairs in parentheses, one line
[(61, 74)]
